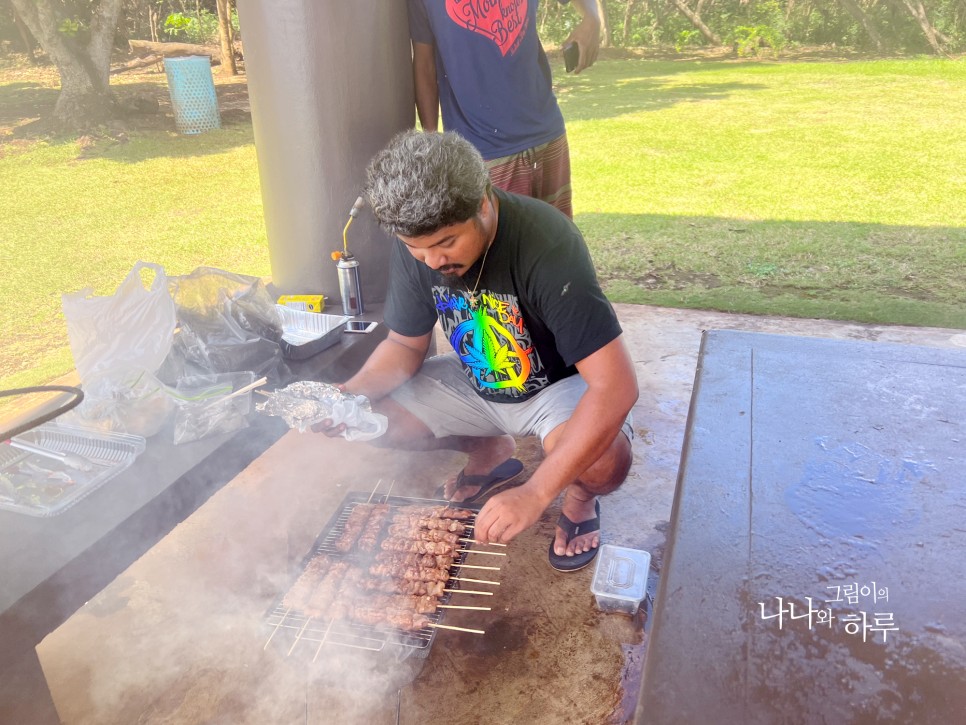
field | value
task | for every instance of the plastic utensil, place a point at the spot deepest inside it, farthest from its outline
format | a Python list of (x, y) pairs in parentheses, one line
[(257, 384), (71, 460)]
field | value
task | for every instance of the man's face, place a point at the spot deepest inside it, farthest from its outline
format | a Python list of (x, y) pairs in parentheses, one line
[(453, 249)]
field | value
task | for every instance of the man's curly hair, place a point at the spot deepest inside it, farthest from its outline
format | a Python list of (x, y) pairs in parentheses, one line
[(422, 182)]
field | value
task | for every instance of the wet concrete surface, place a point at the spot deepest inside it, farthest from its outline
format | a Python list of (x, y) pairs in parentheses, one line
[(180, 636)]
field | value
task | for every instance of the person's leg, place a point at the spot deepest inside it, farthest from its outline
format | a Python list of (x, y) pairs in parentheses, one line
[(542, 172), (438, 410), (547, 416), (603, 477), (552, 175)]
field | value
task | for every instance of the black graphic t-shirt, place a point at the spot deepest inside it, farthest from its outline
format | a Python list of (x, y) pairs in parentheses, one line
[(540, 309)]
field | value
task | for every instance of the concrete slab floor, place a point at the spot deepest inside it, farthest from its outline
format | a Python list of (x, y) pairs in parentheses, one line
[(179, 636)]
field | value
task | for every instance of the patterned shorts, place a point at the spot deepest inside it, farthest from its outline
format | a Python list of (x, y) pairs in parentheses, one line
[(542, 172), (444, 399)]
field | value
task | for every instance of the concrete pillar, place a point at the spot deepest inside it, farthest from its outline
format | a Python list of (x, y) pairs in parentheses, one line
[(329, 83)]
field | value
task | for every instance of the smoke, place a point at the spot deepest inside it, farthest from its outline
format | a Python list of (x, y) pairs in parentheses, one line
[(180, 637)]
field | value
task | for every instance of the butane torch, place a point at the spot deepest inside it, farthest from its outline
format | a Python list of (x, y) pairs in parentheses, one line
[(350, 283)]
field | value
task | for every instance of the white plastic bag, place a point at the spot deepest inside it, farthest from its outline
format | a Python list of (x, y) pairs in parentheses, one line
[(131, 329), (118, 343)]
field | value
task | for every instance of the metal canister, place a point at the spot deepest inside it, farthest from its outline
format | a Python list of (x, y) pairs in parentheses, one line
[(350, 285)]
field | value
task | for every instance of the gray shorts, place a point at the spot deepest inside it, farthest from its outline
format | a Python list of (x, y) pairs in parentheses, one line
[(444, 399)]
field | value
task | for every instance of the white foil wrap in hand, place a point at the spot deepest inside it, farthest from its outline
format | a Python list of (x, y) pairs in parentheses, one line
[(305, 403)]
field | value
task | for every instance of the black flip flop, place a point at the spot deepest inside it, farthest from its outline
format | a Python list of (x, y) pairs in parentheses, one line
[(504, 473), (577, 561)]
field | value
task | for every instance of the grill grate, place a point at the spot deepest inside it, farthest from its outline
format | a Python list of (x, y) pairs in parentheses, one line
[(295, 632)]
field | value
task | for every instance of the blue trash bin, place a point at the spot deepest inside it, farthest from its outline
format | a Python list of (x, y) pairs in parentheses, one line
[(192, 92)]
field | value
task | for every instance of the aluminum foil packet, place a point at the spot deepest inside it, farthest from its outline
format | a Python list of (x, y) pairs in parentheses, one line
[(305, 403)]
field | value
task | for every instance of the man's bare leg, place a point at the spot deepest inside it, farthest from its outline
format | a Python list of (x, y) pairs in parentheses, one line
[(603, 477), (408, 432)]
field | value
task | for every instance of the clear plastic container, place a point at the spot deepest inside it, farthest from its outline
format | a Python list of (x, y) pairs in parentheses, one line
[(40, 486), (620, 578)]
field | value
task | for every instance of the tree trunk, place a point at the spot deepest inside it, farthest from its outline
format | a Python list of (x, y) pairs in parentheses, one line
[(25, 37), (696, 21), (917, 11), (856, 12), (604, 23), (85, 95), (628, 19), (224, 36), (153, 20)]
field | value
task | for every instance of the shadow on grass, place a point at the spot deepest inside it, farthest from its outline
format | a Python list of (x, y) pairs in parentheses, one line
[(24, 100), (829, 270), (615, 88), (145, 128)]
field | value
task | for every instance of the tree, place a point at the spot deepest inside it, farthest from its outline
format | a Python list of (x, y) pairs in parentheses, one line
[(917, 11), (856, 12), (225, 38), (696, 21), (81, 50)]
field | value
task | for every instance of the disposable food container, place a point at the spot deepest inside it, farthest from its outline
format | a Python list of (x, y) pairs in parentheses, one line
[(305, 334), (37, 485), (620, 578)]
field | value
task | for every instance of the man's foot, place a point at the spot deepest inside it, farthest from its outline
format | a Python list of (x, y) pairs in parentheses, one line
[(577, 535), (489, 464)]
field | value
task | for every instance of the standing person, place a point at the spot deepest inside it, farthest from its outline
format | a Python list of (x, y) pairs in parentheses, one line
[(537, 347), (483, 64)]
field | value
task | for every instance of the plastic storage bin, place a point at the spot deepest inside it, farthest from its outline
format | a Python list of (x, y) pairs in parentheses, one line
[(620, 578), (192, 91)]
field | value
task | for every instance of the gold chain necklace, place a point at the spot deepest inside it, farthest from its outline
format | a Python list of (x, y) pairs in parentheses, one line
[(472, 298)]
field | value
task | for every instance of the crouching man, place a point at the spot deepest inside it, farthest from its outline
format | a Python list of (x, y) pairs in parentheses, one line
[(537, 347)]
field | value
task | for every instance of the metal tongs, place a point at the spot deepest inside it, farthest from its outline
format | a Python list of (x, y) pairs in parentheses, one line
[(71, 460)]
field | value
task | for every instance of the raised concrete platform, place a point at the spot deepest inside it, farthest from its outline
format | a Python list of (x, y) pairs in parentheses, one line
[(178, 637)]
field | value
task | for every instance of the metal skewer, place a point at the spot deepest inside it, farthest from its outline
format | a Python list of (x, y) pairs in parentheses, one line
[(378, 483), (491, 543), (475, 581), (489, 553), (458, 629)]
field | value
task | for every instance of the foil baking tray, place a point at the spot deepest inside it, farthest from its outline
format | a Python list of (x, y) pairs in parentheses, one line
[(295, 631), (36, 485), (305, 334)]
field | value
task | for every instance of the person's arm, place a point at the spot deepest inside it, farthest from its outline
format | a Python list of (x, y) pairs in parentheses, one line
[(394, 361), (586, 34), (597, 420), (424, 81)]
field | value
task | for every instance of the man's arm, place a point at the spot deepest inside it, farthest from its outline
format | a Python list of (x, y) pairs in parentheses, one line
[(586, 34), (424, 81), (597, 420), (394, 361)]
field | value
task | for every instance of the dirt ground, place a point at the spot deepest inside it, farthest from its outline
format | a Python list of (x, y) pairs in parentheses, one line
[(29, 91)]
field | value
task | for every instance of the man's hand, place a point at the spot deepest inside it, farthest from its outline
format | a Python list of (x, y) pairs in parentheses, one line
[(325, 426), (507, 514), (586, 34)]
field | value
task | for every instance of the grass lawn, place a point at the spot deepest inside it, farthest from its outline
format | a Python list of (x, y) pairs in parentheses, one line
[(820, 189), (817, 189)]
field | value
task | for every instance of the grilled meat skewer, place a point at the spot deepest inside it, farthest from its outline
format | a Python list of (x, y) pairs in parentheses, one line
[(432, 561), (418, 547), (422, 522), (404, 531)]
